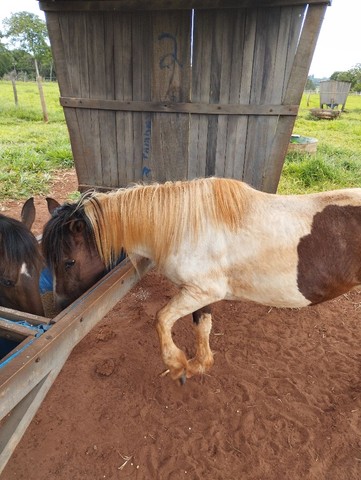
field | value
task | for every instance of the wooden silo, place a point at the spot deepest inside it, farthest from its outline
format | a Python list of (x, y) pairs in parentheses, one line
[(334, 94), (157, 90)]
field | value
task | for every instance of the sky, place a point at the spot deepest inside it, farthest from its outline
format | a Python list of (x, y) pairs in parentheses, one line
[(338, 47)]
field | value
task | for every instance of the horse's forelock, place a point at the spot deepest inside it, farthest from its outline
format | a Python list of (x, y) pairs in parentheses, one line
[(56, 240), (99, 213), (17, 244)]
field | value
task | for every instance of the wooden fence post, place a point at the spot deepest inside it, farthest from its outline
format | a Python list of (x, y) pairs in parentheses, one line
[(41, 93), (13, 75)]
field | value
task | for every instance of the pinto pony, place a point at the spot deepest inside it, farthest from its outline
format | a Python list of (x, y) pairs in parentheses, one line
[(217, 239), (20, 263)]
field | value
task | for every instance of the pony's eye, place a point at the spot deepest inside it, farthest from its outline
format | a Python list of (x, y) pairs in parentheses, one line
[(69, 264), (5, 282)]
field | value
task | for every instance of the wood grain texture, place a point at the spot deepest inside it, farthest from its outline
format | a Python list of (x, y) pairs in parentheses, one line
[(156, 95)]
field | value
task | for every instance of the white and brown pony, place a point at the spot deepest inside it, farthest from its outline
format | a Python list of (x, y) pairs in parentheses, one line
[(20, 263), (216, 239)]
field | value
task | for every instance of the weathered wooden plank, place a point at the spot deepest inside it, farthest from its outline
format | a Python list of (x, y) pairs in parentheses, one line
[(123, 92), (142, 47), (258, 134), (99, 188), (170, 107), (296, 81), (127, 5), (57, 47), (281, 30), (170, 81), (277, 34), (225, 33), (295, 26), (107, 120), (76, 68), (248, 65), (289, 29), (57, 35), (14, 426), (81, 136), (12, 331), (280, 58), (16, 315), (95, 50), (235, 82), (201, 78), (234, 152), (306, 46), (214, 91)]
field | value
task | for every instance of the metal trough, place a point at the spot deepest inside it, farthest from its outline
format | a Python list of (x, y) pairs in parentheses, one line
[(29, 370)]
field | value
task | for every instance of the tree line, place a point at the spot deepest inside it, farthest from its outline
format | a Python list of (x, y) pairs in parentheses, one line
[(24, 48), (353, 76)]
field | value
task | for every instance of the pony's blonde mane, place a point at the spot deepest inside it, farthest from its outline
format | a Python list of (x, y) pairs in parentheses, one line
[(160, 216)]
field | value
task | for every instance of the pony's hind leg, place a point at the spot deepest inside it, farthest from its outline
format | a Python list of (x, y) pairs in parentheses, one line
[(186, 301), (203, 359)]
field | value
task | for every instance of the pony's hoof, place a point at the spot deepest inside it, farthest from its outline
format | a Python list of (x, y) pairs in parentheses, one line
[(181, 379)]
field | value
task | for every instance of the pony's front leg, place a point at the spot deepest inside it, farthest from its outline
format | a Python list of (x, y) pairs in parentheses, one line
[(203, 359), (180, 305)]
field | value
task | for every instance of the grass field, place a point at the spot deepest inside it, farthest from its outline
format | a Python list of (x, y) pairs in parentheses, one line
[(337, 162), (30, 150)]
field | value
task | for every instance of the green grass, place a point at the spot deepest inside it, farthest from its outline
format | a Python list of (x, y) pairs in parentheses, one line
[(337, 162), (31, 150)]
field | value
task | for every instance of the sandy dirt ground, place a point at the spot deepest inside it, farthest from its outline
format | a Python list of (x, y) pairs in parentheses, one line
[(283, 400)]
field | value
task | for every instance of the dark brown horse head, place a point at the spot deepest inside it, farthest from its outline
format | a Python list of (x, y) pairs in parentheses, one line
[(20, 263), (70, 252)]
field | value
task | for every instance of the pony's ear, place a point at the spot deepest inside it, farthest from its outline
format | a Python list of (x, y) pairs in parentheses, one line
[(76, 226), (28, 213), (52, 204)]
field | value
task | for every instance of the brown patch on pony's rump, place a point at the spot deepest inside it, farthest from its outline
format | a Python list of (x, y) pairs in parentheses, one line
[(329, 257)]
